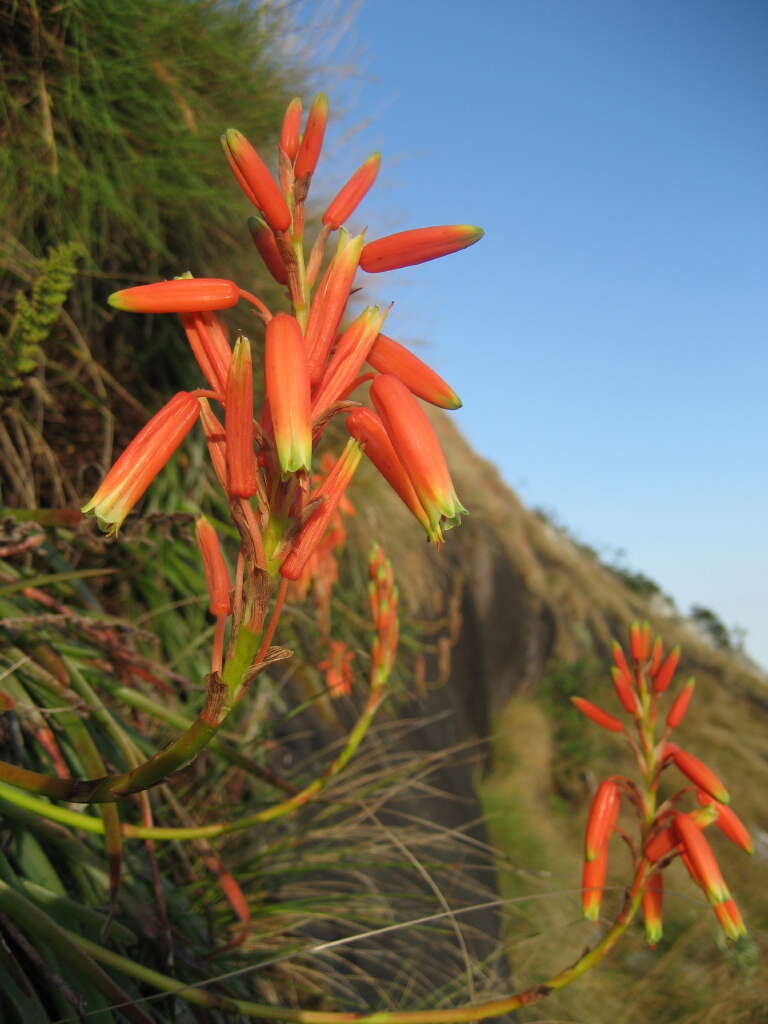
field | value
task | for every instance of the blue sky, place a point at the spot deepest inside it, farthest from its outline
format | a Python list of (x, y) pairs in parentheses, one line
[(607, 335)]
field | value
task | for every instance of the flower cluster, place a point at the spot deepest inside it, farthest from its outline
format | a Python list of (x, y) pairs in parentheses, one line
[(641, 681), (314, 360)]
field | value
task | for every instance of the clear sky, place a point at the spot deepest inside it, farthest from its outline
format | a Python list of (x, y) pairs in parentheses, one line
[(608, 335)]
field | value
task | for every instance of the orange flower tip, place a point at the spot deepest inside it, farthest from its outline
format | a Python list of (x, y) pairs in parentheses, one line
[(409, 248), (182, 295)]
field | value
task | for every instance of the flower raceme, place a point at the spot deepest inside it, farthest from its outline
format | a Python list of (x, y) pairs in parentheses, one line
[(665, 830), (315, 357)]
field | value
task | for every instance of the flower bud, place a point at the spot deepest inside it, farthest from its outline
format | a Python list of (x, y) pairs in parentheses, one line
[(602, 817), (407, 248), (182, 295), (352, 194), (728, 822), (238, 422), (287, 387), (680, 705), (699, 774), (254, 178), (702, 862), (291, 130), (663, 677), (350, 354), (264, 240), (597, 715), (388, 356), (592, 883), (214, 568), (312, 139)]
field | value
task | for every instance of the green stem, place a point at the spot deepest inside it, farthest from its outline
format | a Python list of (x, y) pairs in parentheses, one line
[(220, 700), (88, 823), (457, 1015)]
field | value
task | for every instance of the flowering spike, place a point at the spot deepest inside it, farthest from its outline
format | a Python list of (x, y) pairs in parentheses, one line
[(592, 883), (238, 421), (653, 895), (215, 568), (624, 691), (728, 822), (419, 451), (699, 774), (255, 179), (408, 248), (329, 303), (291, 130), (680, 704), (388, 356), (366, 427), (703, 865), (264, 240), (312, 139), (664, 676), (350, 354), (182, 295), (602, 817), (328, 494), (597, 714), (142, 460), (287, 387), (352, 194), (730, 919)]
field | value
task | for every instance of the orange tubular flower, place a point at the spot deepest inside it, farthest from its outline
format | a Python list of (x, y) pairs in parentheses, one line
[(419, 451), (620, 660), (264, 240), (602, 818), (291, 130), (407, 248), (312, 139), (592, 883), (680, 705), (366, 427), (351, 352), (388, 356), (728, 822), (597, 714), (238, 421), (254, 178), (215, 439), (215, 568), (699, 774), (182, 295), (624, 691), (209, 347), (730, 919), (703, 865), (653, 896), (328, 495), (287, 386), (330, 302), (349, 198), (142, 460), (663, 677)]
